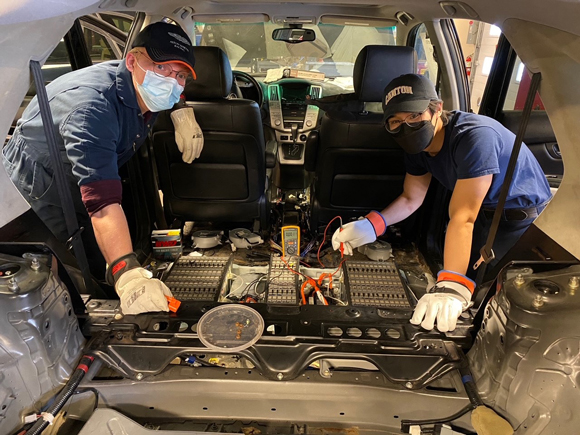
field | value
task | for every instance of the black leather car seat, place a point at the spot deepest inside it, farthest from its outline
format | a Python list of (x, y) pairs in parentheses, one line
[(227, 182), (358, 167)]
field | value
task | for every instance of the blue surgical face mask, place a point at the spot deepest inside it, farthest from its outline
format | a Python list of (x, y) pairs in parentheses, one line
[(159, 93)]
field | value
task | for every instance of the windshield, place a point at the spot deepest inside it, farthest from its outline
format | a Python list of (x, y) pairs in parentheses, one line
[(250, 47)]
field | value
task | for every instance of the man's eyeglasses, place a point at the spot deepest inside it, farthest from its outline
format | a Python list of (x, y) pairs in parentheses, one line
[(164, 70), (413, 120)]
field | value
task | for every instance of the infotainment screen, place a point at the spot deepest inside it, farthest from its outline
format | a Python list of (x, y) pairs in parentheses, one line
[(294, 94)]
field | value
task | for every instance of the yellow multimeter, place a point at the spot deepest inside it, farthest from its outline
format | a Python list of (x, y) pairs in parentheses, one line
[(291, 241)]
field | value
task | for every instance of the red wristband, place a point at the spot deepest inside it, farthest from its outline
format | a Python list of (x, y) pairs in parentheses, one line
[(446, 275), (378, 222)]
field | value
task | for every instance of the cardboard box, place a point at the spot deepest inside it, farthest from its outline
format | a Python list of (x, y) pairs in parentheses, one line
[(166, 244), (299, 74)]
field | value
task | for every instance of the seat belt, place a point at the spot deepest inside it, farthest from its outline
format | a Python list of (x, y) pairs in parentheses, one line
[(75, 242), (486, 251)]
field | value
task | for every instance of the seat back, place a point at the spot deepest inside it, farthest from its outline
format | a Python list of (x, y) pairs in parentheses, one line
[(227, 182), (359, 167)]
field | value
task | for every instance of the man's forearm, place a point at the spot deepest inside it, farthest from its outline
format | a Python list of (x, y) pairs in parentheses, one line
[(458, 246), (400, 209), (112, 232)]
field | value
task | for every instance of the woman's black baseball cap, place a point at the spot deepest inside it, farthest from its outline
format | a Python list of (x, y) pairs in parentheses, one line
[(166, 43), (408, 93)]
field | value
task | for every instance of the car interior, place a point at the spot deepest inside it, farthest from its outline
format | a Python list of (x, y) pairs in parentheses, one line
[(294, 148)]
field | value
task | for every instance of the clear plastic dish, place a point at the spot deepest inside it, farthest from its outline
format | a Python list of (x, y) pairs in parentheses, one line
[(230, 328)]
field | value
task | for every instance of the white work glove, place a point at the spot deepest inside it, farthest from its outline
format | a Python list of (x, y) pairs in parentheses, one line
[(188, 134), (140, 293), (446, 301), (360, 232)]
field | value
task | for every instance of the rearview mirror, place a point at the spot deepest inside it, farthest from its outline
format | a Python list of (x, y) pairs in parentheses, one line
[(293, 36)]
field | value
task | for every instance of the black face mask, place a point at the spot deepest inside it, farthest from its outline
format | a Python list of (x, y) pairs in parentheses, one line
[(413, 140)]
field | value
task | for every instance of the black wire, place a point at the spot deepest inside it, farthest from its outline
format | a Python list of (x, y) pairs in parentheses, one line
[(406, 424)]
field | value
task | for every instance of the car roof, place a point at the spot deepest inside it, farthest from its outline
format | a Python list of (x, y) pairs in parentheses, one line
[(544, 33)]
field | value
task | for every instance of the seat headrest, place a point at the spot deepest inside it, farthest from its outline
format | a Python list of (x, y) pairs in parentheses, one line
[(214, 75), (376, 66)]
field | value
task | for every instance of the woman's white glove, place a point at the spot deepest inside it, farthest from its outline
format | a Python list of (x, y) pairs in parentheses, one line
[(140, 293), (445, 303), (358, 233), (188, 134)]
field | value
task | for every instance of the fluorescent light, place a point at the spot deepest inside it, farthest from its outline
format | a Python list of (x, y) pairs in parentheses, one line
[(520, 72), (494, 31), (486, 67)]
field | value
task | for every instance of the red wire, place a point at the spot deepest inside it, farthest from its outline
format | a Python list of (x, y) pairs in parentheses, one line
[(324, 239), (311, 281)]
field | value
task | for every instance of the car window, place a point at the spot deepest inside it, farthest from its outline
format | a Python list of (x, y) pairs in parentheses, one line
[(122, 21), (250, 47), (426, 63), (99, 48), (478, 42), (519, 86), (59, 55)]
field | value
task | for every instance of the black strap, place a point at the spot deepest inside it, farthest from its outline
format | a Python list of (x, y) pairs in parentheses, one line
[(486, 252), (70, 218)]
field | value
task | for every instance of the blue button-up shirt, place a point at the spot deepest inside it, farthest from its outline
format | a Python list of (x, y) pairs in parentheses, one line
[(99, 122)]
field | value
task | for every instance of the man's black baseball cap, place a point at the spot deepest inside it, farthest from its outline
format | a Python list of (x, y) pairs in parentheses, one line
[(408, 93), (166, 43)]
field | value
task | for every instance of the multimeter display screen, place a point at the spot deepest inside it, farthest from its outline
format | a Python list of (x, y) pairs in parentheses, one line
[(291, 241)]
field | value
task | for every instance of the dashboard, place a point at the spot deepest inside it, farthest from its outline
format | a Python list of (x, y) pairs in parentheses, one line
[(291, 117)]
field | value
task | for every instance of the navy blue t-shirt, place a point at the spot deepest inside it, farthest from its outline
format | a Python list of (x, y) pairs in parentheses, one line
[(476, 145)]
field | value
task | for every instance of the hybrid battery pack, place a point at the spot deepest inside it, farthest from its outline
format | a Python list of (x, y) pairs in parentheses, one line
[(197, 278), (376, 284)]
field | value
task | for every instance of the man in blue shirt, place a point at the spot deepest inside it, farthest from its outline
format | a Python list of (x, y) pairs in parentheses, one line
[(102, 114), (469, 155)]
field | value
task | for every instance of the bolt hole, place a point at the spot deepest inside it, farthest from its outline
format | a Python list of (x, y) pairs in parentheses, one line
[(225, 373), (395, 416), (47, 324), (3, 407), (501, 338), (342, 413), (274, 329), (160, 326), (69, 312), (273, 409), (249, 372), (334, 331), (354, 332), (204, 408), (151, 407)]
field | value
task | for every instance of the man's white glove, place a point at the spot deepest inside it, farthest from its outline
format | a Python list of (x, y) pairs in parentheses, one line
[(188, 134), (447, 300), (360, 232), (138, 291)]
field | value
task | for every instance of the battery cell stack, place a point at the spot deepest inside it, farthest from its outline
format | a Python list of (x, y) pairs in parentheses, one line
[(197, 279), (376, 284), (282, 283)]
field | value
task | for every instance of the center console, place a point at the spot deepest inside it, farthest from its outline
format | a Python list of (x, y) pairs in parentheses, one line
[(292, 118)]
